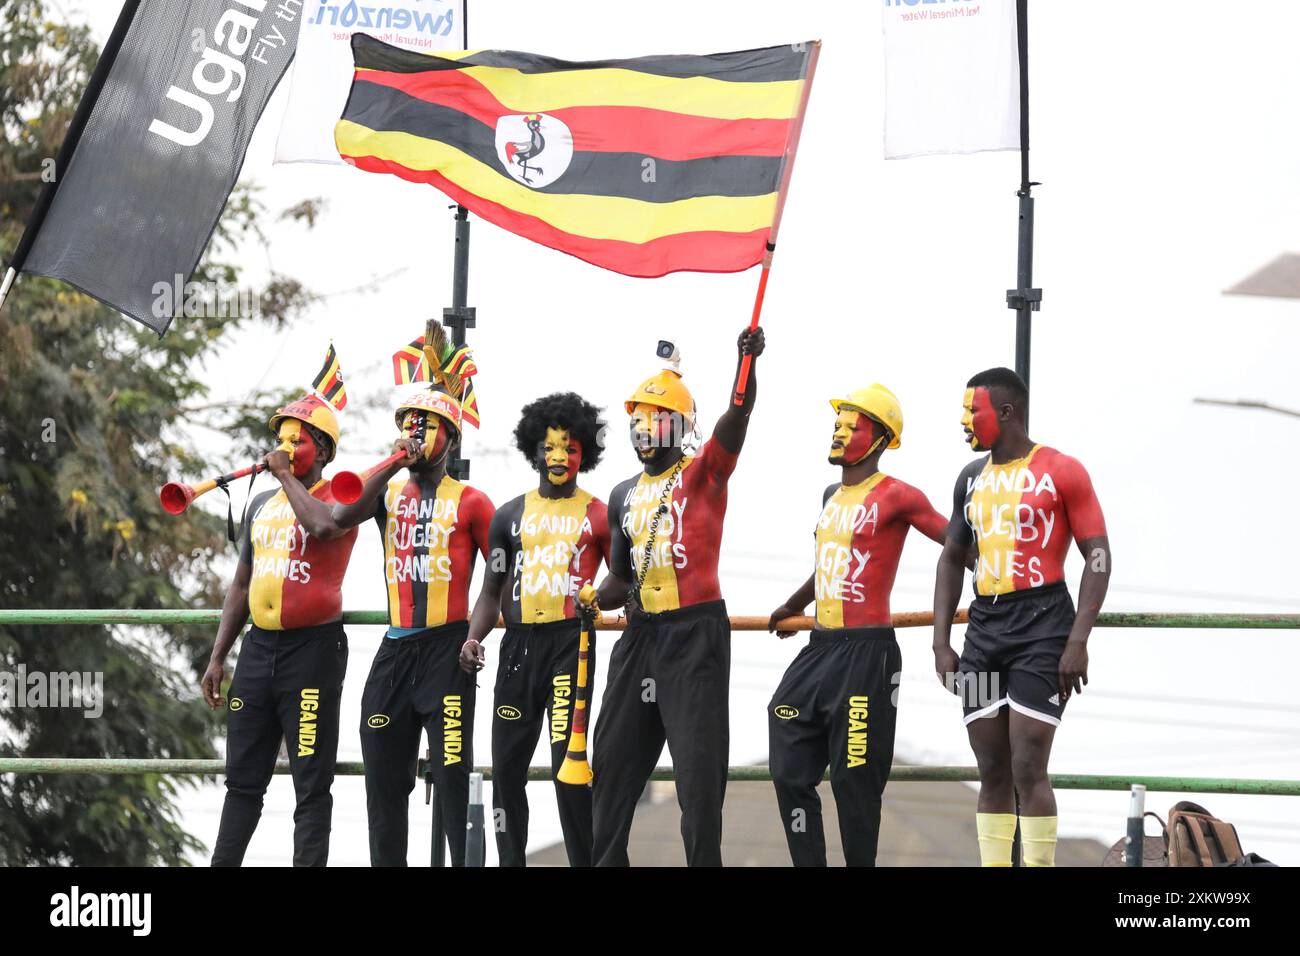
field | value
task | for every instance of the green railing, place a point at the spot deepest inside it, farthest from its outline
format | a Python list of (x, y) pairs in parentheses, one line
[(906, 619), (1063, 781)]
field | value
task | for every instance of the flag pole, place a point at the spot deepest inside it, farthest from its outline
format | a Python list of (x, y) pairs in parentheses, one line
[(460, 316), (89, 98), (1024, 298), (792, 146)]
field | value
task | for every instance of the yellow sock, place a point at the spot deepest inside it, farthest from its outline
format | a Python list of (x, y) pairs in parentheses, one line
[(1038, 837), (995, 831)]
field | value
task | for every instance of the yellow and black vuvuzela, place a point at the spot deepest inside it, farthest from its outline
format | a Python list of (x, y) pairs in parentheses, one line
[(644, 166), (576, 769)]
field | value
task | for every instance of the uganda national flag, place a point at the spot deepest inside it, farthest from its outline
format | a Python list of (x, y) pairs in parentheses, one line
[(329, 381), (409, 364), (469, 405), (643, 166)]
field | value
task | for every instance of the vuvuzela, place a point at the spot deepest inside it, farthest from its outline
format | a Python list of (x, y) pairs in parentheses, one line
[(346, 486), (175, 496), (576, 769)]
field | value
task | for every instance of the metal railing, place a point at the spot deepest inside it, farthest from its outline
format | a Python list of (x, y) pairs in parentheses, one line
[(82, 616), (353, 768), (902, 774)]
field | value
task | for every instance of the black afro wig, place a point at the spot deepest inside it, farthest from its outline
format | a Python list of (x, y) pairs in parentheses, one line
[(566, 410)]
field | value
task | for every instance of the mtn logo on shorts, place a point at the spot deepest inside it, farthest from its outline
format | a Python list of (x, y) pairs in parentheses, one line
[(377, 720), (506, 712), (236, 704), (785, 711), (1055, 700)]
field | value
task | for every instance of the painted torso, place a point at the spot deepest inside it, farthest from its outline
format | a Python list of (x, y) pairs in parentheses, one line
[(683, 564), (297, 580), (1023, 514), (553, 547), (860, 536), (430, 540)]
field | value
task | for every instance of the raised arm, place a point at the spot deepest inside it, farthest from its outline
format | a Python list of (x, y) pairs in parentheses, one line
[(734, 422)]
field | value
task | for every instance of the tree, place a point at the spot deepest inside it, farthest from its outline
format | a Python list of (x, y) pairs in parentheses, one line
[(95, 414)]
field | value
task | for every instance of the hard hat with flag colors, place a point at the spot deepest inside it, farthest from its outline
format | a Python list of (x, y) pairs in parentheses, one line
[(312, 410), (664, 389), (879, 403), (431, 400)]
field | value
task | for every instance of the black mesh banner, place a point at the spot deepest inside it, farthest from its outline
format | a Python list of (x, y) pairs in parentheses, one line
[(162, 149)]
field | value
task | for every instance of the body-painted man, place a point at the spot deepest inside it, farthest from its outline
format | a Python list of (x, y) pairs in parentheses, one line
[(1026, 649), (835, 705), (668, 674), (546, 545), (432, 528), (288, 682)]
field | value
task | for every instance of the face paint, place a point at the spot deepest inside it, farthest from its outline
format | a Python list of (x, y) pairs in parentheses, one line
[(561, 456), (654, 430), (303, 454), (980, 419), (436, 435), (852, 441)]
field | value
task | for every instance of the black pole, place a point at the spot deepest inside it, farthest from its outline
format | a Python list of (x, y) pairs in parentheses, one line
[(437, 838), (89, 98), (1024, 298), (460, 316)]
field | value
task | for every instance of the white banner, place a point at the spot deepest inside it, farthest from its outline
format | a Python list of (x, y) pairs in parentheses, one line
[(322, 72), (952, 77)]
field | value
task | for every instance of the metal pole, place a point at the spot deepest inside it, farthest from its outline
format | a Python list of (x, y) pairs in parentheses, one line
[(1024, 298), (475, 837), (1135, 842), (460, 316), (1016, 848), (743, 623), (437, 839), (125, 766)]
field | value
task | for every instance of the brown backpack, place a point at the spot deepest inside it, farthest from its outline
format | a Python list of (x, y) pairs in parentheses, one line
[(1198, 838), (1193, 837)]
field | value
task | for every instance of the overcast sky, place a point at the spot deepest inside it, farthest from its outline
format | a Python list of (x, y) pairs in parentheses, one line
[(1165, 139)]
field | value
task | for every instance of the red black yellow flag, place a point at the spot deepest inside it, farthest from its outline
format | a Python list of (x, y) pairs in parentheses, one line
[(409, 364), (643, 166), (329, 381)]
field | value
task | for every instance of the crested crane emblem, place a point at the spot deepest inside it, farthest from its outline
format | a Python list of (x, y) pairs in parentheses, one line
[(534, 148)]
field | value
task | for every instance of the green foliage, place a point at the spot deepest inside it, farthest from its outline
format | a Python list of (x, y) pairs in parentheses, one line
[(94, 411)]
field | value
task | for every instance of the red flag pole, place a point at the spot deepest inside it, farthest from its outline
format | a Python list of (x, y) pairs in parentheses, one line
[(791, 147)]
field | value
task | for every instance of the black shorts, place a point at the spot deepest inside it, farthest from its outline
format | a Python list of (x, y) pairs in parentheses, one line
[(1012, 653)]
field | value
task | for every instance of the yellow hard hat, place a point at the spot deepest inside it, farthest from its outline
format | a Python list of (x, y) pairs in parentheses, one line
[(313, 411), (664, 389), (879, 403), (431, 400)]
